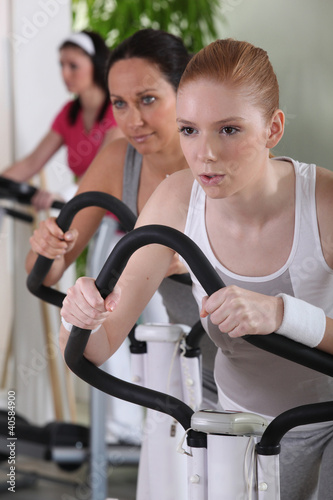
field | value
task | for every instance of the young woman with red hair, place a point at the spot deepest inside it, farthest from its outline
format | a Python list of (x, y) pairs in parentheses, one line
[(265, 223)]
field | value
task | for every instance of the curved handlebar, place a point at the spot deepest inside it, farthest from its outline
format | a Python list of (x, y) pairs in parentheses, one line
[(211, 282), (64, 220), (301, 415), (105, 283), (21, 192)]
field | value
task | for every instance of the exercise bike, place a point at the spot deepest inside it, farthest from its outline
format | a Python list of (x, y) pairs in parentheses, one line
[(210, 435), (60, 442), (149, 355), (68, 445)]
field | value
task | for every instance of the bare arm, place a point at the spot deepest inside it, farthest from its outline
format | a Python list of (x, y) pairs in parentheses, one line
[(144, 272), (324, 198), (106, 175), (26, 168), (240, 312), (85, 308), (111, 135)]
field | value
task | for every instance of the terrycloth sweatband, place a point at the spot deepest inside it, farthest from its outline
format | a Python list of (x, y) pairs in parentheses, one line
[(69, 326), (302, 322)]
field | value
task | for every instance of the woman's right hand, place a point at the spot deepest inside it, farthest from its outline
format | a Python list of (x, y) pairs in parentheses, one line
[(84, 306), (50, 241)]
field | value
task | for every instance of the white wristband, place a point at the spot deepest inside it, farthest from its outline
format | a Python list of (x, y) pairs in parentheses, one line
[(302, 322), (69, 326)]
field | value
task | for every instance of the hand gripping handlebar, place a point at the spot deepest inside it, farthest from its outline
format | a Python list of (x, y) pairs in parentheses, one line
[(211, 282), (64, 220)]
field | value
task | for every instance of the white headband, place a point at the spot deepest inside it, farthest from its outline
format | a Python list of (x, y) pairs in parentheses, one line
[(82, 40)]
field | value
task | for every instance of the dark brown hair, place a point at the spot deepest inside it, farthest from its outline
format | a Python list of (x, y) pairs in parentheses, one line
[(99, 61), (165, 50)]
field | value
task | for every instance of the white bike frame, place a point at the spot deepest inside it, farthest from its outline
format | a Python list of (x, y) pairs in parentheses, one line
[(229, 467)]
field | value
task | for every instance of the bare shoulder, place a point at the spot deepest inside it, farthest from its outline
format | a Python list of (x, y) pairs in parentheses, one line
[(179, 184), (117, 146), (324, 173), (169, 203), (112, 155), (324, 187), (324, 201), (106, 171)]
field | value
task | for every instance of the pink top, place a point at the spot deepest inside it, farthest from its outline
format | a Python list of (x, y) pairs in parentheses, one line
[(82, 146)]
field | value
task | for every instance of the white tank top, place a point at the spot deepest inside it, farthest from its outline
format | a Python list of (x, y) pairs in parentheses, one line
[(249, 378)]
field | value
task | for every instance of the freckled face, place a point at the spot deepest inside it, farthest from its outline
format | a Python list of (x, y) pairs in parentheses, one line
[(77, 70), (223, 136), (144, 105)]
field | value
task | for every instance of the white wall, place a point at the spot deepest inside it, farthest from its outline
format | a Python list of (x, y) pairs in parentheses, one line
[(298, 37), (5, 89), (6, 274), (30, 33), (38, 28)]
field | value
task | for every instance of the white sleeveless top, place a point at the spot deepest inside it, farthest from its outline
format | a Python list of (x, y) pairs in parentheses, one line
[(249, 378)]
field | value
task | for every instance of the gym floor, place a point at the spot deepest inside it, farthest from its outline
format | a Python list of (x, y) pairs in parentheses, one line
[(43, 480), (48, 482)]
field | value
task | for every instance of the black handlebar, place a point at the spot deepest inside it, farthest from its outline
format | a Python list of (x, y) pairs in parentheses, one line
[(211, 282), (93, 375), (105, 283), (64, 220), (301, 415), (15, 214), (21, 192)]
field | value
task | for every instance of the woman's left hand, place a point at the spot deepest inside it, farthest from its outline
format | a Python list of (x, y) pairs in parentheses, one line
[(239, 312), (42, 200)]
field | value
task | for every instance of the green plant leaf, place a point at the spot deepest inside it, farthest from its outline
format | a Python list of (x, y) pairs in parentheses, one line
[(193, 20)]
